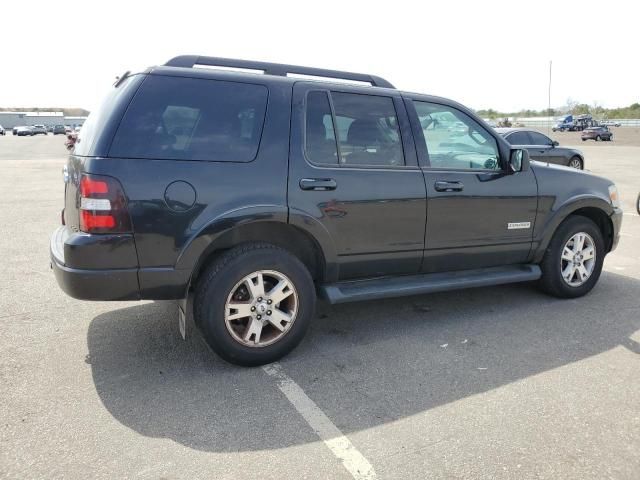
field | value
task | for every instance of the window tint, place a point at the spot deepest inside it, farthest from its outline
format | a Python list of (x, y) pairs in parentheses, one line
[(539, 139), (454, 140), (192, 119), (368, 131), (519, 138), (320, 136)]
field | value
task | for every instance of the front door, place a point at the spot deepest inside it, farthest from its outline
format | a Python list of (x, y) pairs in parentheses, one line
[(353, 170), (479, 214)]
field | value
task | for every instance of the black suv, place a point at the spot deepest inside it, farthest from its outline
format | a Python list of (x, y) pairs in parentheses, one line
[(253, 193)]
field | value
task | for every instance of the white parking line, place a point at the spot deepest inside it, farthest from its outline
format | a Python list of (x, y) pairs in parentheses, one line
[(358, 466)]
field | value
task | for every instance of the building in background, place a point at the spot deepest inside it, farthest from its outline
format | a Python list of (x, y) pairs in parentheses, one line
[(48, 119)]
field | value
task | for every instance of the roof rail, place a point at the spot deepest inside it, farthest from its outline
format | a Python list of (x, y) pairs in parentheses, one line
[(189, 61)]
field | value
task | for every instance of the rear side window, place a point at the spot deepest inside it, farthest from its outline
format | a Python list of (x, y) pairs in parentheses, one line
[(177, 118), (368, 131), (320, 136), (519, 138)]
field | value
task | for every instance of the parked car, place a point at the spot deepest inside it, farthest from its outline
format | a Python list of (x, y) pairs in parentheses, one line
[(542, 148), (67, 129), (24, 131), (59, 130), (39, 130), (2, 131), (597, 134), (610, 123), (252, 210)]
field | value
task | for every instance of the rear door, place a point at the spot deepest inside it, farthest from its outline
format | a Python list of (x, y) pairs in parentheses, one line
[(479, 214), (353, 170)]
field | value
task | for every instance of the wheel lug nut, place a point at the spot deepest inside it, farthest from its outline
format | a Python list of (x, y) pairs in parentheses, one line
[(269, 302), (259, 299), (259, 316), (268, 312), (253, 309)]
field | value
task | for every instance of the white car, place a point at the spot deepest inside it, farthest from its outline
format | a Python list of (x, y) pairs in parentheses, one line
[(2, 132)]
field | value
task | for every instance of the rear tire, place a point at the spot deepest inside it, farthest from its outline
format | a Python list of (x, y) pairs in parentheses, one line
[(246, 277), (554, 263)]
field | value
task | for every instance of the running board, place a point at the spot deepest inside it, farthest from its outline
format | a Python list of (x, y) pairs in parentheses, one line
[(400, 286)]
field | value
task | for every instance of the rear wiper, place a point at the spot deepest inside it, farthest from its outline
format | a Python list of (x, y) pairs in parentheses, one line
[(121, 78)]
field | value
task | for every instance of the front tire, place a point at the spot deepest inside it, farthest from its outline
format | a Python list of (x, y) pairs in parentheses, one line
[(573, 260), (254, 304), (576, 163)]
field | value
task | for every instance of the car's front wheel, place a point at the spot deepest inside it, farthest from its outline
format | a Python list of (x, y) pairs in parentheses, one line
[(576, 163), (573, 260), (254, 304)]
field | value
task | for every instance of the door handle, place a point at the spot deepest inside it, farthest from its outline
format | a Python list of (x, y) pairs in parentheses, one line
[(318, 184), (442, 186)]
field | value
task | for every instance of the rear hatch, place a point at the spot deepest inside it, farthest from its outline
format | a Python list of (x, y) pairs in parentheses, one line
[(92, 143)]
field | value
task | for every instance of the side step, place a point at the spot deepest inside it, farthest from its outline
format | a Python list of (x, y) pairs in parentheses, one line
[(383, 287)]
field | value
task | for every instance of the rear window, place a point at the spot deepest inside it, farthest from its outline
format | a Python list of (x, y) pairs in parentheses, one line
[(177, 118)]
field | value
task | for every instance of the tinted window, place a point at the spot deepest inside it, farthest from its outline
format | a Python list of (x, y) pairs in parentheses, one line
[(455, 140), (539, 139), (192, 119), (319, 133), (518, 138), (368, 131)]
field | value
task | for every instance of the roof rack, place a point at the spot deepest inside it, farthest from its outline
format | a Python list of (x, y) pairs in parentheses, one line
[(190, 61)]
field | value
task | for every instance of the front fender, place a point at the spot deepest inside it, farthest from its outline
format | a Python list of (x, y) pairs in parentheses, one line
[(557, 214)]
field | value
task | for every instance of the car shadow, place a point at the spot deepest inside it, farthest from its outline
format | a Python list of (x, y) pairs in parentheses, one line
[(364, 364)]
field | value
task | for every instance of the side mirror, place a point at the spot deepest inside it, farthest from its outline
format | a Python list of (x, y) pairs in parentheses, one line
[(555, 143), (519, 160)]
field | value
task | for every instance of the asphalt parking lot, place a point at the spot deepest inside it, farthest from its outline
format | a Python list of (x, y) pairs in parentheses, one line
[(500, 382)]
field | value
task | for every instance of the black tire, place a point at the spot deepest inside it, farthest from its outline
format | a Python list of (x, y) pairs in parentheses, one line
[(216, 284), (576, 159), (638, 204), (551, 281)]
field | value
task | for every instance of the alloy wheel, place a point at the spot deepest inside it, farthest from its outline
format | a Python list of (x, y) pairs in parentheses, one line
[(261, 308), (578, 259)]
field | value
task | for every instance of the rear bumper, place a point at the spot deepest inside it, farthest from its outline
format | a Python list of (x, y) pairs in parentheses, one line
[(91, 283)]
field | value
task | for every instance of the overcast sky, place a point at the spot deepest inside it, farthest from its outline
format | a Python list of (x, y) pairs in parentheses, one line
[(485, 54)]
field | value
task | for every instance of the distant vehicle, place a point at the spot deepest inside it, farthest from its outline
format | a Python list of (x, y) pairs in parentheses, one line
[(67, 129), (597, 134), (573, 124), (2, 132), (49, 128), (24, 131), (610, 123), (59, 130), (542, 148), (77, 129), (39, 130)]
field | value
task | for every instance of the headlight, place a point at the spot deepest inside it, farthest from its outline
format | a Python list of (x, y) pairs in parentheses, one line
[(614, 196)]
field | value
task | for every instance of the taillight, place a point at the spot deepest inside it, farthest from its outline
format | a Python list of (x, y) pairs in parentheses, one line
[(103, 206)]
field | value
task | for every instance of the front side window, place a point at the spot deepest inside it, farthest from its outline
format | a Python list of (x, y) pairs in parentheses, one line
[(454, 140), (368, 132), (192, 119), (539, 139)]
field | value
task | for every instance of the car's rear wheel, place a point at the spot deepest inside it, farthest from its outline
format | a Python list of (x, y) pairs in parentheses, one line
[(576, 163), (254, 304), (573, 261)]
